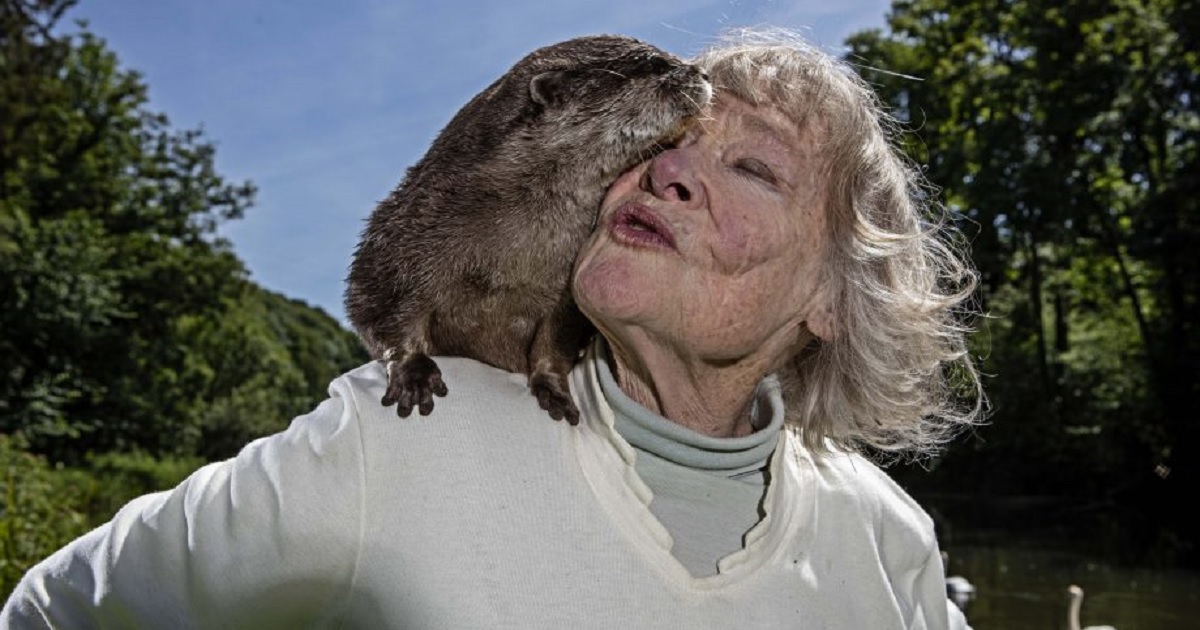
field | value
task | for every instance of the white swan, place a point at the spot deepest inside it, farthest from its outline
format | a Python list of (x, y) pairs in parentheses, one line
[(958, 588), (1073, 610)]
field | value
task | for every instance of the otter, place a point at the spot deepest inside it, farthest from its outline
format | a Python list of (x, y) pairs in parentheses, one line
[(471, 254)]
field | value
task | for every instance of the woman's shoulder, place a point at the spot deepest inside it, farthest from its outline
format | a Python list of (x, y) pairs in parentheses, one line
[(460, 374), (854, 479), (487, 435), (482, 399)]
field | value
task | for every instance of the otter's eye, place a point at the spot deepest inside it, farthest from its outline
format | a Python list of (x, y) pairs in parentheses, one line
[(658, 65)]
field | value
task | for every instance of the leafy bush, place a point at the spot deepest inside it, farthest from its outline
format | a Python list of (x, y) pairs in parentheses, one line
[(42, 510), (47, 506)]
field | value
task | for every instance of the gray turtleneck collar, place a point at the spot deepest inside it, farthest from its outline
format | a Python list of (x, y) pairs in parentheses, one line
[(736, 458)]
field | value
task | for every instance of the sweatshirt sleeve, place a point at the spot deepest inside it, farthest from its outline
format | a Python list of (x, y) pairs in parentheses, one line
[(267, 539), (931, 596), (958, 620)]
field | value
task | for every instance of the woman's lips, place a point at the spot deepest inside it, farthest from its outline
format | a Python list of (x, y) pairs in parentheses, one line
[(637, 225)]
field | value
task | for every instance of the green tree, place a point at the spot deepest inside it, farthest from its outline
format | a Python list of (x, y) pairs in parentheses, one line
[(132, 346), (126, 323), (109, 219), (1064, 134), (266, 360)]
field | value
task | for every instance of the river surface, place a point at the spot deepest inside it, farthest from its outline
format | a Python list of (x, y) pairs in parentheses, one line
[(1022, 555)]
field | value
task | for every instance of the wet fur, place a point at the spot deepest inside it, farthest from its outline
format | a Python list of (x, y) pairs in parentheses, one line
[(471, 254)]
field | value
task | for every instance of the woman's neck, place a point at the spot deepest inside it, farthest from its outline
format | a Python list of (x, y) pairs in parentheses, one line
[(711, 399)]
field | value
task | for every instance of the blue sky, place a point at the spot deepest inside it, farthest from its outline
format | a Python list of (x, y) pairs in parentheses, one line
[(323, 105)]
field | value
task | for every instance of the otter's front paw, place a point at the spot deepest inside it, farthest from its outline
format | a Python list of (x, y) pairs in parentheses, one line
[(554, 396), (413, 382)]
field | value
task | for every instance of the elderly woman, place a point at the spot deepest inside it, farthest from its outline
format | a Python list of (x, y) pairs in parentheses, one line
[(773, 269)]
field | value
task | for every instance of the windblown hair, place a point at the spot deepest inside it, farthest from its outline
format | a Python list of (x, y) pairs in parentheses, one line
[(896, 380)]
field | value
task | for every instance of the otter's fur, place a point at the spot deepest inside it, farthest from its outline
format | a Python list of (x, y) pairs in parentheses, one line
[(471, 254)]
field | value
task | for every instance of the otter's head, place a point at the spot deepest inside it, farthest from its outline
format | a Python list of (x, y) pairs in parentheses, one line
[(609, 100)]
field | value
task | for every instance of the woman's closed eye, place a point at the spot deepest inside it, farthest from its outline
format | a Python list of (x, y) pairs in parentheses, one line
[(756, 168)]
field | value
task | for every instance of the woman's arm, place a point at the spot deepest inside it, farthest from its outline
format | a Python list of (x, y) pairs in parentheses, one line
[(931, 595), (269, 538)]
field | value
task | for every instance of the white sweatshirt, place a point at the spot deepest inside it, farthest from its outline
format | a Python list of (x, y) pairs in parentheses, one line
[(486, 514)]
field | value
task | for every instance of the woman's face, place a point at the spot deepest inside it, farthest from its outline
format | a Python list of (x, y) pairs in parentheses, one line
[(712, 247)]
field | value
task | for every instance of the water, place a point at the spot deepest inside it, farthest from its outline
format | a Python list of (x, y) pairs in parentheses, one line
[(1022, 555), (1026, 588)]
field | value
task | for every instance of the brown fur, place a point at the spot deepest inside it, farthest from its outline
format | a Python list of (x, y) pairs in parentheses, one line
[(471, 254)]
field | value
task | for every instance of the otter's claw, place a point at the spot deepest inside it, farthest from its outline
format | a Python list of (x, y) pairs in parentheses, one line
[(413, 383), (554, 396)]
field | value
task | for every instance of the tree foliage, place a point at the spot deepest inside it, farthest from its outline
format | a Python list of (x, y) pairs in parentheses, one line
[(133, 346), (127, 323), (1064, 135)]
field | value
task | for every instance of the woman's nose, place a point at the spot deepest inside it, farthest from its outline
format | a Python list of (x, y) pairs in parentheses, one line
[(672, 176)]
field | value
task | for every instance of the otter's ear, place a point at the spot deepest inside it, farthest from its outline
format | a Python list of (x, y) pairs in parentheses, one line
[(548, 89)]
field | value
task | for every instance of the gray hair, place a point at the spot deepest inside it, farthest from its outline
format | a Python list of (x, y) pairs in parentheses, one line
[(896, 378)]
